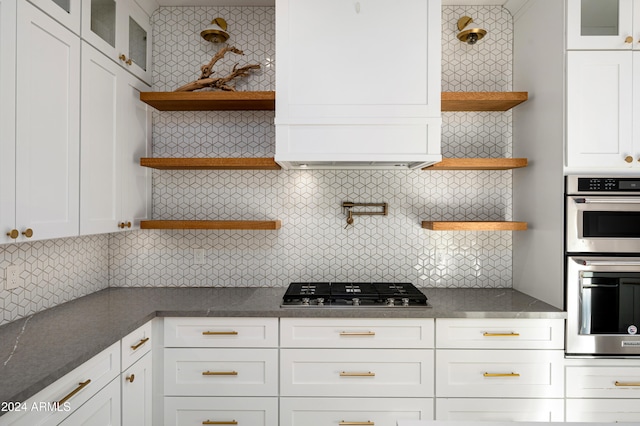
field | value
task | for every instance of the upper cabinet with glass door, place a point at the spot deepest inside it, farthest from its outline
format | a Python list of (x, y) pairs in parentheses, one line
[(121, 30), (603, 24), (67, 12)]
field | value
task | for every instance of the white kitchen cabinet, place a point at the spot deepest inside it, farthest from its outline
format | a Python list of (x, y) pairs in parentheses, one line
[(603, 24), (221, 411), (67, 12), (115, 191), (137, 392), (221, 332), (601, 129), (348, 91), (494, 410), (103, 409), (599, 410), (46, 152), (73, 391), (353, 411), (121, 30)]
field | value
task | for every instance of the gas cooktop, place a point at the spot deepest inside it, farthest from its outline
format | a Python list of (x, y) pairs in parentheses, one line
[(356, 295)]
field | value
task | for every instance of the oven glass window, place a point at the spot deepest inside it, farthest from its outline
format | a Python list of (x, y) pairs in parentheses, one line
[(610, 303), (611, 224)]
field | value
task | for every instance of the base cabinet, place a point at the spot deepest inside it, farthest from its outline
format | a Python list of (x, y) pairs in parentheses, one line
[(103, 409), (221, 411), (137, 393), (601, 410), (353, 411), (512, 410)]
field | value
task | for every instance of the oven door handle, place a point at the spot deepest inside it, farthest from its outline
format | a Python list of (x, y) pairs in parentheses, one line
[(607, 200), (608, 262), (600, 285)]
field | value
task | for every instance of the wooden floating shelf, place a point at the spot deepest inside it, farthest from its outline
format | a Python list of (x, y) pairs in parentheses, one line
[(210, 163), (474, 226), (481, 101), (479, 164), (210, 101), (251, 225)]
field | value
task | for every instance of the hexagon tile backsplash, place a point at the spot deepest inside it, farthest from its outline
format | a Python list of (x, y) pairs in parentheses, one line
[(313, 243)]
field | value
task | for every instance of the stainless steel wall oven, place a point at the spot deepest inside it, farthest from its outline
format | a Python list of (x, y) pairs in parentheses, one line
[(603, 265)]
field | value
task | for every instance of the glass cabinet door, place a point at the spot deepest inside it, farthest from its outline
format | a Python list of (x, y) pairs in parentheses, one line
[(602, 24), (67, 12), (103, 20), (137, 43)]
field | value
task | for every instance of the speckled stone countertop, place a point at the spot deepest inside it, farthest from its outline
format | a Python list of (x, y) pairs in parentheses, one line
[(37, 350)]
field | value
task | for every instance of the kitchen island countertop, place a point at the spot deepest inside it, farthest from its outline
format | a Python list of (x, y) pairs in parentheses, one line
[(37, 350)]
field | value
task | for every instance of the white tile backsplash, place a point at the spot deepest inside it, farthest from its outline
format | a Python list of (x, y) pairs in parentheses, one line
[(312, 244)]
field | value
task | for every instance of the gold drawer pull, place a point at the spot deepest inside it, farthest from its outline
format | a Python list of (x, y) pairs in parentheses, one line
[(356, 374), (219, 373), (219, 333), (501, 375), (209, 422), (356, 423), (627, 383), (357, 333), (512, 334), (13, 234), (81, 386), (142, 342), (130, 378)]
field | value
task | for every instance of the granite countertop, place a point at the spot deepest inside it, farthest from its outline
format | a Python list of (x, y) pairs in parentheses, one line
[(37, 350)]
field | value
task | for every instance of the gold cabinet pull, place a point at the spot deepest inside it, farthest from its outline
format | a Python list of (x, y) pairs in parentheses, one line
[(219, 373), (628, 39), (81, 386), (123, 225), (501, 375), (356, 423), (130, 378), (28, 233), (357, 374), (512, 334), (13, 234), (219, 333), (628, 159), (209, 422), (357, 333), (617, 383), (140, 343)]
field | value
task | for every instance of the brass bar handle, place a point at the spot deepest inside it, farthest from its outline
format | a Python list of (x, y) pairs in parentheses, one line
[(357, 333), (219, 373), (209, 422), (81, 386), (617, 383), (13, 234), (343, 423), (219, 333), (501, 375), (140, 343), (512, 334), (357, 374), (130, 378)]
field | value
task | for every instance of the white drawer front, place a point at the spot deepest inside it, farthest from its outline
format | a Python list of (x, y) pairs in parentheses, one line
[(500, 333), (356, 372), (87, 380), (221, 332), (499, 373), (220, 372), (135, 345), (356, 333), (493, 410), (603, 382), (221, 411), (610, 411), (353, 411)]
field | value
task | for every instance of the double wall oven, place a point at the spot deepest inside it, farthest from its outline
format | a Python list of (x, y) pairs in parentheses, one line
[(603, 265)]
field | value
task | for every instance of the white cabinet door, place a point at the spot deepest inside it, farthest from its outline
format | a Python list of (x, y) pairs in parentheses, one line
[(603, 410), (137, 393), (600, 110), (353, 411), (115, 189), (136, 43), (67, 12), (221, 332), (221, 411), (603, 381), (601, 24), (494, 410), (103, 409), (7, 120), (48, 132)]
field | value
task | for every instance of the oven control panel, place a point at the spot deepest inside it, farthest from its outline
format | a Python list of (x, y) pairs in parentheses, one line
[(583, 184)]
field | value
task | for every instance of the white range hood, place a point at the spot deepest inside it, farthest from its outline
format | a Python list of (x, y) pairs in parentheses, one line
[(352, 94)]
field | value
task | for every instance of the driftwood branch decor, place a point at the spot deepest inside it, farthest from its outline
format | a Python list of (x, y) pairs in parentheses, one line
[(221, 83)]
